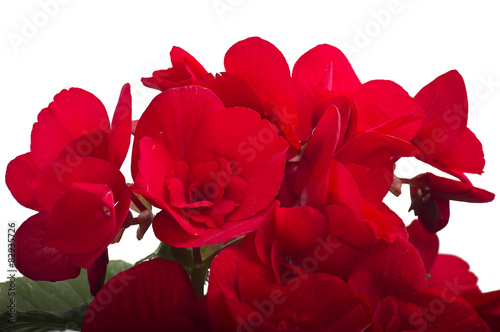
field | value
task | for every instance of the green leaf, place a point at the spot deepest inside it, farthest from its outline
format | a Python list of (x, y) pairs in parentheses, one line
[(49, 306)]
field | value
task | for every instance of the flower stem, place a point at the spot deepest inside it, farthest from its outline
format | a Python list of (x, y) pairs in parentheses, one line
[(198, 278)]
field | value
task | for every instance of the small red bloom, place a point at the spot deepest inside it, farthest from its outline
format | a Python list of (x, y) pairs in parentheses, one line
[(71, 175)]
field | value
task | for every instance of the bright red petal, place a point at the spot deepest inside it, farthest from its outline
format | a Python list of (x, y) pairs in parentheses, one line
[(56, 180), (73, 112), (322, 64), (151, 296), (379, 102), (172, 117), (37, 261), (82, 219), (121, 128), (465, 156), (444, 102), (19, 177), (312, 178), (168, 230), (265, 69), (452, 273)]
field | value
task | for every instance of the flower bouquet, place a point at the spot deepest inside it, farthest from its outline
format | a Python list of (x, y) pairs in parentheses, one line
[(266, 191)]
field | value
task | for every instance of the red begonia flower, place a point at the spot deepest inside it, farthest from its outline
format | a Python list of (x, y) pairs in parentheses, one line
[(444, 139), (156, 295), (211, 169), (74, 125), (185, 70), (86, 205)]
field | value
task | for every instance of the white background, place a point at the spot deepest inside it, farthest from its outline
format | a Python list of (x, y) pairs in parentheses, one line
[(100, 45)]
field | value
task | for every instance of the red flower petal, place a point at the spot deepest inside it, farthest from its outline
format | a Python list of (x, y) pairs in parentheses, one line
[(19, 177), (73, 112), (54, 181), (265, 69), (255, 151), (379, 102), (82, 219), (452, 273), (299, 228), (389, 270), (312, 178), (466, 155), (151, 296), (37, 261), (172, 117), (168, 230), (444, 101), (185, 70), (451, 189), (444, 311), (222, 289), (426, 243), (323, 63), (121, 128)]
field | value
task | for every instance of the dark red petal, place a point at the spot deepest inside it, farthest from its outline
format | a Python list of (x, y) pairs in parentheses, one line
[(389, 270), (444, 101), (487, 306), (168, 230), (264, 68), (323, 63), (172, 117), (444, 311), (379, 102), (312, 178), (55, 180), (253, 148), (150, 296), (451, 189), (96, 274), (466, 155), (426, 243), (321, 301), (299, 228), (37, 261), (19, 177), (434, 214), (121, 128), (82, 219), (452, 273), (222, 289), (72, 113)]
